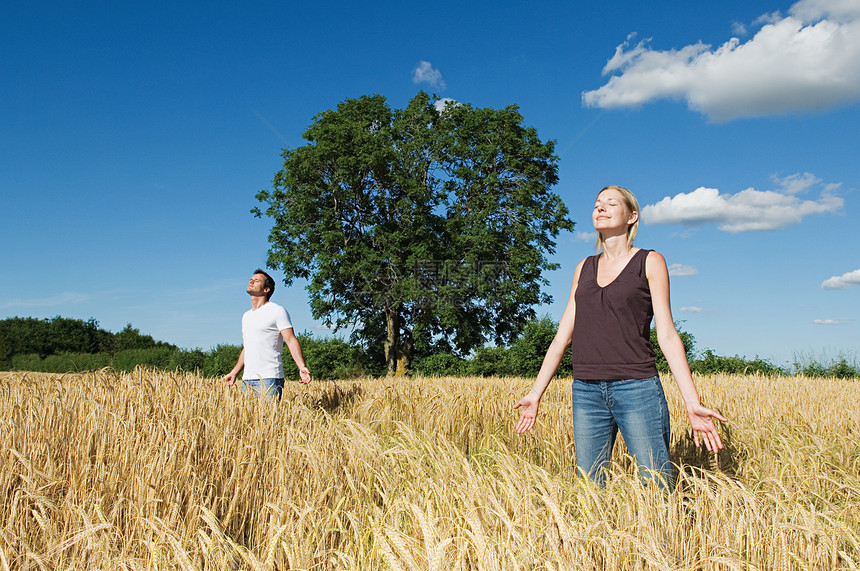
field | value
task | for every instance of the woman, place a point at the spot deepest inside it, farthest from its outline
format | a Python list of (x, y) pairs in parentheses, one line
[(608, 321)]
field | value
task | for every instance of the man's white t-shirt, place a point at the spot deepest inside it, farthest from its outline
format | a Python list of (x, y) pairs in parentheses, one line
[(261, 337)]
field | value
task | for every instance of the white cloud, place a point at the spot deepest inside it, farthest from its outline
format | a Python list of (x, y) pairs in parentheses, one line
[(844, 11), (844, 281), (796, 183), (682, 270), (747, 210), (683, 235), (828, 321), (585, 236), (425, 73), (692, 309), (806, 61), (441, 104)]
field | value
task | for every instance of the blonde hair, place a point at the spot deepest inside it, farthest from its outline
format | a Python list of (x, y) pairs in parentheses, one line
[(632, 205)]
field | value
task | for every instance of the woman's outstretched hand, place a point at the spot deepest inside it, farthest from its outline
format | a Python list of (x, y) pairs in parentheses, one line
[(528, 414), (702, 421)]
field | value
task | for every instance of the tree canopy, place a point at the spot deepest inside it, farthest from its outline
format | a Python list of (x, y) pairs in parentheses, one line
[(424, 229)]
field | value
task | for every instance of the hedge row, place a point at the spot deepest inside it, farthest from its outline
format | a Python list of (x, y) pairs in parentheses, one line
[(334, 358)]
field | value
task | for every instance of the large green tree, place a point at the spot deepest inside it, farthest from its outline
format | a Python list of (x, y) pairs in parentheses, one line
[(424, 228)]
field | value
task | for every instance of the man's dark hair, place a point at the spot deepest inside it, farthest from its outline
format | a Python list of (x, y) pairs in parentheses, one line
[(270, 283)]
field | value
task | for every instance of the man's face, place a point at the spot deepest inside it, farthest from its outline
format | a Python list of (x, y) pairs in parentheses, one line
[(257, 285)]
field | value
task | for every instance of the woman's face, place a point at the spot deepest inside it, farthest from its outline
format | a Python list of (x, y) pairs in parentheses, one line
[(610, 212)]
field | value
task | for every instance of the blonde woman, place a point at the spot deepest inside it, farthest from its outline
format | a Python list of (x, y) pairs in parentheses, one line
[(607, 323)]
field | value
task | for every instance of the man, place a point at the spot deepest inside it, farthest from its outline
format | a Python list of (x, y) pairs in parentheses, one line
[(265, 329)]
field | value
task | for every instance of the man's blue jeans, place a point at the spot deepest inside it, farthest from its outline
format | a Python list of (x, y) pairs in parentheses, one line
[(635, 406), (266, 387)]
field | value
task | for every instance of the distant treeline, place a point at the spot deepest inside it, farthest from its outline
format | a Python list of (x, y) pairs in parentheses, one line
[(46, 337), (63, 345)]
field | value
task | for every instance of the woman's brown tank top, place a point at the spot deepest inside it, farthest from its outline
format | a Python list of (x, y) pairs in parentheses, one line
[(612, 327)]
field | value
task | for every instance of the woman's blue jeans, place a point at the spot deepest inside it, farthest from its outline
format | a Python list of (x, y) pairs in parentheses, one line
[(265, 387), (638, 408)]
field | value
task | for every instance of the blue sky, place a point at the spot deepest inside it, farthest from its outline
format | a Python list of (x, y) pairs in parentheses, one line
[(135, 135)]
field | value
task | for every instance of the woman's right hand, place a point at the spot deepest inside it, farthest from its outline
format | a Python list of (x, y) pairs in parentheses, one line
[(529, 405), (560, 343)]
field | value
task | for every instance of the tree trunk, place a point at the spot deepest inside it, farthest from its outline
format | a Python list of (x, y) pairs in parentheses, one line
[(397, 349)]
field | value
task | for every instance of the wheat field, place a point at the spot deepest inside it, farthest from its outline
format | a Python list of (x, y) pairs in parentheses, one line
[(153, 470)]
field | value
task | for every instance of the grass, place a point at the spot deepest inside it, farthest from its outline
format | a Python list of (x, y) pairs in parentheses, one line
[(150, 470)]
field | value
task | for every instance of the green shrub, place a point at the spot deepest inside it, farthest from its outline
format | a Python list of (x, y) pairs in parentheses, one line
[(711, 363), (188, 361), (221, 360), (76, 362), (526, 354), (843, 369), (326, 358), (842, 366), (157, 358), (489, 361), (61, 363), (440, 365), (31, 362)]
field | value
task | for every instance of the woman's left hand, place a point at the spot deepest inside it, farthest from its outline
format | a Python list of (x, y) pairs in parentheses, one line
[(702, 421)]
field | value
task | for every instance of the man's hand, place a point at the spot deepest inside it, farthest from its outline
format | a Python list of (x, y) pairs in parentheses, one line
[(305, 375), (230, 378)]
